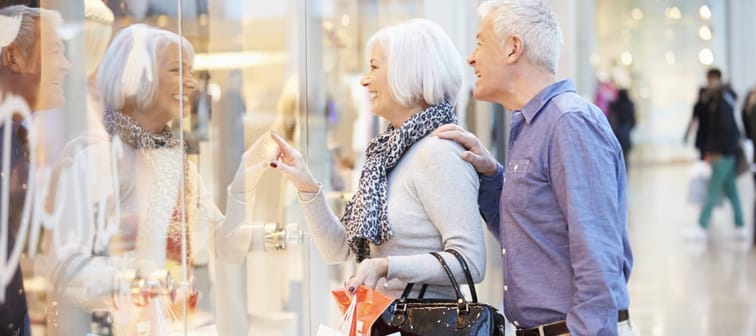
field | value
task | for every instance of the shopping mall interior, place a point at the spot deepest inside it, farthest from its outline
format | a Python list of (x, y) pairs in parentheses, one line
[(294, 66)]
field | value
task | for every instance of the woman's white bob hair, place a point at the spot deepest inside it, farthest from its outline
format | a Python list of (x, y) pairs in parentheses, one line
[(424, 66), (129, 66)]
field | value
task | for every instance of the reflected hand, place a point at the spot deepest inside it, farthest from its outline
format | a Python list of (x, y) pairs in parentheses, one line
[(477, 154), (291, 163), (368, 273), (254, 162)]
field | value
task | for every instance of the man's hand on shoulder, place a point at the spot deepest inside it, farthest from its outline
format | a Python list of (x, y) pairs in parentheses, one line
[(477, 154)]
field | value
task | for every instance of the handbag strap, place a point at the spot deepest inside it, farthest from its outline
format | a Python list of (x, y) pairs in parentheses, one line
[(466, 269), (408, 289), (460, 297)]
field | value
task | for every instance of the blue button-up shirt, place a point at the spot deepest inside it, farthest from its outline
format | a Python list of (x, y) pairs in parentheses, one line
[(559, 210)]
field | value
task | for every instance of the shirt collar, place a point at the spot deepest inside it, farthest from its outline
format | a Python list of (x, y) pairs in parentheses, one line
[(538, 102)]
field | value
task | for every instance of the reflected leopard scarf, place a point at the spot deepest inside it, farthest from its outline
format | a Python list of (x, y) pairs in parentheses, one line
[(365, 217), (130, 132), (137, 137)]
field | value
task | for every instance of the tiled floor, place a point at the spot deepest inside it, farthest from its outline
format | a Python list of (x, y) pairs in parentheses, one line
[(679, 287)]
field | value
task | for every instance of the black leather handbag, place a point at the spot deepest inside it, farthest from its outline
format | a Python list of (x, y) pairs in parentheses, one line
[(440, 317)]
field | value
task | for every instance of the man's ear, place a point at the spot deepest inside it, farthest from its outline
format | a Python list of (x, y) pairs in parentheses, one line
[(12, 59), (515, 48)]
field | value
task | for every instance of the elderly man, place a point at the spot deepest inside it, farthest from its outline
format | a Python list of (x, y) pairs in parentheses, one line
[(27, 35), (558, 206)]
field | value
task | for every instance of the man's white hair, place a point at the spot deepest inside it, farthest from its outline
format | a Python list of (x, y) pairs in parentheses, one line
[(122, 57), (29, 30), (424, 66), (534, 22)]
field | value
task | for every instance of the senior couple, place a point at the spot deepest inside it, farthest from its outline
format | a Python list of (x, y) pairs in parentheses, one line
[(557, 207)]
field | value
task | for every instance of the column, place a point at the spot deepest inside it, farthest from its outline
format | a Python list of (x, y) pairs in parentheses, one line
[(741, 46), (577, 19)]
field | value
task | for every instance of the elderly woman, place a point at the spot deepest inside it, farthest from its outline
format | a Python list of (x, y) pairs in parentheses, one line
[(415, 195), (135, 203)]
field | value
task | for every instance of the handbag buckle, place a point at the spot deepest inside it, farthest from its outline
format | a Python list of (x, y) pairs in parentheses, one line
[(463, 310), (400, 315)]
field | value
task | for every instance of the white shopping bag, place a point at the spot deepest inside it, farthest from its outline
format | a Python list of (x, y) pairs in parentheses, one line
[(346, 324), (328, 331), (698, 183)]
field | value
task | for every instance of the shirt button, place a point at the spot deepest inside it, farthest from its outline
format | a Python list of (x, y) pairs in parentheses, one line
[(517, 324), (503, 251), (506, 288)]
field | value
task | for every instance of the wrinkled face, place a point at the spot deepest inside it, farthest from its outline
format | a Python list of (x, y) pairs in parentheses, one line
[(488, 61), (376, 81), (53, 68), (38, 73), (166, 100)]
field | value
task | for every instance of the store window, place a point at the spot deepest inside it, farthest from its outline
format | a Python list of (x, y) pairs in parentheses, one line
[(122, 137)]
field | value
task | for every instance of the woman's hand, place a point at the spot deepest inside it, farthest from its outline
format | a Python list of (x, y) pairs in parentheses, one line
[(253, 163), (291, 164), (368, 273)]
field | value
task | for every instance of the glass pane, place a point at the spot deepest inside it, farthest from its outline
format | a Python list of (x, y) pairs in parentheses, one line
[(112, 254), (251, 73), (128, 196)]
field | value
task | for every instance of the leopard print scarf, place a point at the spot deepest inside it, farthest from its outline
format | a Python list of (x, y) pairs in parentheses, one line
[(365, 217), (130, 132)]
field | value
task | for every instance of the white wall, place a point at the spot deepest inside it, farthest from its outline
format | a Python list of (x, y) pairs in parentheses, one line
[(742, 45)]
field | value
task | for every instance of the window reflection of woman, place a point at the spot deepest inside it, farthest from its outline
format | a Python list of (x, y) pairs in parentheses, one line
[(145, 76), (415, 195)]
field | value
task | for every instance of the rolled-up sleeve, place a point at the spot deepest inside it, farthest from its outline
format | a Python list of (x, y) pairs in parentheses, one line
[(585, 176)]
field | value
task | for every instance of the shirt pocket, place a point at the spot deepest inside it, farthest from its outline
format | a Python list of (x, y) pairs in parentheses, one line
[(516, 191)]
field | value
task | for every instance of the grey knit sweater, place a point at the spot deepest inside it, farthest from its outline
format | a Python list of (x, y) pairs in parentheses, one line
[(432, 206)]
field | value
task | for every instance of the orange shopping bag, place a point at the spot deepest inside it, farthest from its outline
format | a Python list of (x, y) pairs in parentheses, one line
[(365, 310)]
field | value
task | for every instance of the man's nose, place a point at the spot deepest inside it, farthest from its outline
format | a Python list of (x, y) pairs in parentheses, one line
[(365, 81)]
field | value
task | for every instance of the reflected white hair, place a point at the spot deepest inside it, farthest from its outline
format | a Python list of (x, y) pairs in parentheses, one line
[(110, 77), (534, 22), (29, 30), (423, 63), (98, 28)]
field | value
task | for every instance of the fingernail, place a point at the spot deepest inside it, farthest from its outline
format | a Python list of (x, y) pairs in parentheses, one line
[(351, 289), (274, 164)]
